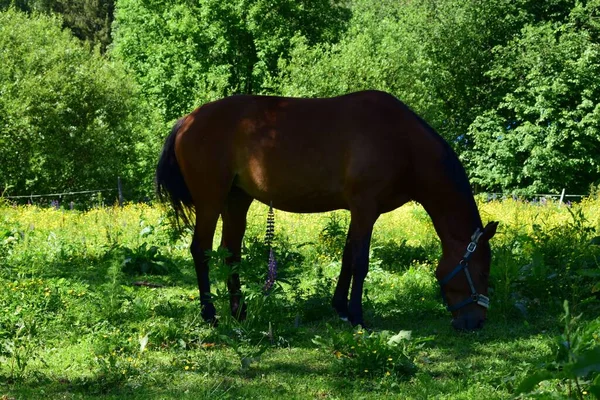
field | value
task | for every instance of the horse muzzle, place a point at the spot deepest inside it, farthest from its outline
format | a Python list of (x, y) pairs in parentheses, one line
[(469, 321)]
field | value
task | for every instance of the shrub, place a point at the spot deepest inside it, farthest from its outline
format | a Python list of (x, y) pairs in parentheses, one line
[(70, 118)]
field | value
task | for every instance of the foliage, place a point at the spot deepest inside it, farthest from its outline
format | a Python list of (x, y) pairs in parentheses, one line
[(576, 361), (512, 85), (332, 239), (397, 256), (89, 20), (185, 53), (541, 260), (374, 354), (70, 119), (382, 49), (541, 135), (72, 322)]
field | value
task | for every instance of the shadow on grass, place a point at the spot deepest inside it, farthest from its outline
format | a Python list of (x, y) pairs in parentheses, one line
[(265, 379), (95, 270)]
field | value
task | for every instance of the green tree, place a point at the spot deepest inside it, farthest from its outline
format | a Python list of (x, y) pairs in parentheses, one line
[(433, 55), (89, 20), (69, 119), (542, 134), (185, 53)]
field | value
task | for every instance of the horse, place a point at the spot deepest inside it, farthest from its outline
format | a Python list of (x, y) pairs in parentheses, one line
[(366, 152)]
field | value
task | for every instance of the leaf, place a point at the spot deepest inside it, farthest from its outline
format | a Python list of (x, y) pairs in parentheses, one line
[(595, 390), (143, 343), (319, 341), (531, 381), (594, 273), (595, 240), (146, 231), (588, 362), (399, 337)]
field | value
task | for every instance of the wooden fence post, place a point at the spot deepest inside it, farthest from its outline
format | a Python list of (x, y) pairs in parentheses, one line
[(562, 196)]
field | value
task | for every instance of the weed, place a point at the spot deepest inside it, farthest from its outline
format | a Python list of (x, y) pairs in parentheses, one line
[(371, 354), (576, 365), (20, 350)]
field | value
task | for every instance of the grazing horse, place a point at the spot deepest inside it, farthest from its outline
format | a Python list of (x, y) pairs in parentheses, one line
[(366, 152)]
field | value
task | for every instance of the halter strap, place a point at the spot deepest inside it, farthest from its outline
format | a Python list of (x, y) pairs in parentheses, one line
[(463, 265)]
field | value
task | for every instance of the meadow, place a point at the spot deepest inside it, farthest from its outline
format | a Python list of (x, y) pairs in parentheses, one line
[(103, 303)]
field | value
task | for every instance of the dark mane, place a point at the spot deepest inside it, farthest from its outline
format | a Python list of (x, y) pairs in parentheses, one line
[(454, 169)]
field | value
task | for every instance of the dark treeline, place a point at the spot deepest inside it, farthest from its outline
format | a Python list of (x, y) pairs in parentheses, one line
[(89, 88)]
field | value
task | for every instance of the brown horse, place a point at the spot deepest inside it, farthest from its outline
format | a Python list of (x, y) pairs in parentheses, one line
[(365, 152)]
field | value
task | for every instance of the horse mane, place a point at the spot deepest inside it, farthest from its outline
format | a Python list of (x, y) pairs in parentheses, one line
[(454, 169)]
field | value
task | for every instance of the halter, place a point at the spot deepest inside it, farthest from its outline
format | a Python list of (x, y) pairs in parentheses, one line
[(475, 297)]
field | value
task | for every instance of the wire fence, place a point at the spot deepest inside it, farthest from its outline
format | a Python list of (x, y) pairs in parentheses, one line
[(64, 194), (536, 197), (55, 203), (491, 196)]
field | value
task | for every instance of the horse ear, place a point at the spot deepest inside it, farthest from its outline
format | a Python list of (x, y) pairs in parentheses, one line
[(490, 230)]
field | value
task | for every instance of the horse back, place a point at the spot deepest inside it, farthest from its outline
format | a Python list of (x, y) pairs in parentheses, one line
[(310, 155)]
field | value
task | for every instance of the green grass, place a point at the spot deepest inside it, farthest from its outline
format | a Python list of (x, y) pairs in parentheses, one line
[(74, 325)]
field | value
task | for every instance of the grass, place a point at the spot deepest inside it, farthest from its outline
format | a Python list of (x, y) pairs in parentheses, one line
[(76, 320)]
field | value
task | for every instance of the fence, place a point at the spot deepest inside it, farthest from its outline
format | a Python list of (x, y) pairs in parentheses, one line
[(118, 189), (536, 196), (490, 196)]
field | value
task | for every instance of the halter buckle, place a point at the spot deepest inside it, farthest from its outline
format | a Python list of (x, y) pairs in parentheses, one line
[(471, 247), (482, 300)]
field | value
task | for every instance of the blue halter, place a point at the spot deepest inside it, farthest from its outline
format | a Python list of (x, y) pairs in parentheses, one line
[(475, 297)]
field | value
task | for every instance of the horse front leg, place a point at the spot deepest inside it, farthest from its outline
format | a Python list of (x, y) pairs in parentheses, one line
[(340, 296)]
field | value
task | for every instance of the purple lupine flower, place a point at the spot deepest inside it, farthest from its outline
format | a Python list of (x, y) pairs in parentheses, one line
[(270, 227), (272, 271), (55, 204)]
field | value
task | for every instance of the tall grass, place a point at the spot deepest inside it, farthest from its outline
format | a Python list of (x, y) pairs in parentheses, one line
[(105, 302)]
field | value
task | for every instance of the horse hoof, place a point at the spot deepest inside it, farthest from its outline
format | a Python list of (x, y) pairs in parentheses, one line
[(342, 314), (342, 311), (209, 314), (359, 323), (239, 313)]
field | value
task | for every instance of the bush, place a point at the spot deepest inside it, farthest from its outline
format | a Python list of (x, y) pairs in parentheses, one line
[(70, 119)]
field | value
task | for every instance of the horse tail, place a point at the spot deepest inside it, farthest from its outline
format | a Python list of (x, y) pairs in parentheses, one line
[(170, 185)]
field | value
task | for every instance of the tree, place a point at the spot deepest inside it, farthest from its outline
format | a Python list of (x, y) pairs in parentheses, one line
[(69, 119), (185, 53), (89, 20), (433, 55), (542, 135)]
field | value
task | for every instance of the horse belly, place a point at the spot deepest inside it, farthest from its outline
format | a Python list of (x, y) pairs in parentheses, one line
[(295, 188)]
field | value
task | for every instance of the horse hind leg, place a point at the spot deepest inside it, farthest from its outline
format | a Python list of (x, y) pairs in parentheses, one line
[(234, 226), (208, 205), (206, 222), (361, 230)]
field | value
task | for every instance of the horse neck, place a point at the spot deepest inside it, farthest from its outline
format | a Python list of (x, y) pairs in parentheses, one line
[(455, 219)]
